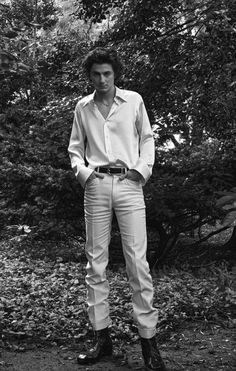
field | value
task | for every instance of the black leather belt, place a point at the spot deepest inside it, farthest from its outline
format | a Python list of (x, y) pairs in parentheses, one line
[(112, 170)]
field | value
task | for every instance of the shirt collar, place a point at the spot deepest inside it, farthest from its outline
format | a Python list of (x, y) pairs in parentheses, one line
[(120, 94)]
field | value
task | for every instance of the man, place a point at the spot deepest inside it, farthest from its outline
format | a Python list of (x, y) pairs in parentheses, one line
[(111, 130)]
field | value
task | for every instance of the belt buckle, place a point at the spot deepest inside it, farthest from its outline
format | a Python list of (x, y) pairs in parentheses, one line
[(109, 171)]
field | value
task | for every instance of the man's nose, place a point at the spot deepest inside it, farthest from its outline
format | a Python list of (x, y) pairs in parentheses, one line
[(102, 78)]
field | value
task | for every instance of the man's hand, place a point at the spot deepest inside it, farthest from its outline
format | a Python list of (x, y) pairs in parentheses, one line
[(132, 175), (94, 175)]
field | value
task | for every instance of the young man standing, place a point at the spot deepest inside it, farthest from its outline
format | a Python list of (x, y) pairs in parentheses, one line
[(112, 131)]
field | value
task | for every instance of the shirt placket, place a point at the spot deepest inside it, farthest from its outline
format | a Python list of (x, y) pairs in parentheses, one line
[(107, 134)]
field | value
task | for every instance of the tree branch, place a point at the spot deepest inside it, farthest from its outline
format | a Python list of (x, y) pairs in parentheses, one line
[(209, 235)]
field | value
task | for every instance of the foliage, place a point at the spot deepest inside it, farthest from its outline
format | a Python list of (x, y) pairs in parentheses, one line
[(96, 10), (20, 45), (37, 13), (21, 23), (38, 187), (181, 194), (60, 65), (44, 299)]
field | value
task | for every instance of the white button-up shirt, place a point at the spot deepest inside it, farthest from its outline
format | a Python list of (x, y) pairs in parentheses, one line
[(124, 138)]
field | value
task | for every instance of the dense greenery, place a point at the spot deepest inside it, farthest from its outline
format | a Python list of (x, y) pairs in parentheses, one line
[(180, 55)]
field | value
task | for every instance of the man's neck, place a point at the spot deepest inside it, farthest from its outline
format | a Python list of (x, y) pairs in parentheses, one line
[(106, 96)]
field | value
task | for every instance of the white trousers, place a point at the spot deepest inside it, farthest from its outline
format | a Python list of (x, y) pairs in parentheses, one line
[(125, 198)]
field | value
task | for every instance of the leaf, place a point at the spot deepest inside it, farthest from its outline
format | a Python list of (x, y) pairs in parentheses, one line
[(23, 67), (227, 199), (10, 34), (230, 218)]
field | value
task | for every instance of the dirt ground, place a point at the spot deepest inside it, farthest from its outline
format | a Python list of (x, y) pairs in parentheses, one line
[(193, 347)]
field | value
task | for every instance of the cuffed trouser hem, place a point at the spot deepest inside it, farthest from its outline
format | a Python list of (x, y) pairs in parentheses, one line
[(147, 333), (101, 325)]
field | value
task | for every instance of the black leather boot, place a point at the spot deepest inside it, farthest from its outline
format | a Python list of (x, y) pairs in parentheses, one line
[(102, 348), (151, 355)]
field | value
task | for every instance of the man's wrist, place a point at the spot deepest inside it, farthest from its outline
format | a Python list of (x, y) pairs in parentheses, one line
[(136, 174)]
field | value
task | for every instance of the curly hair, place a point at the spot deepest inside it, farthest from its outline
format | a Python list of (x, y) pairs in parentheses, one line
[(100, 56)]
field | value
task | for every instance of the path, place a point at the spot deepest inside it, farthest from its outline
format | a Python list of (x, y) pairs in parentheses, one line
[(190, 349)]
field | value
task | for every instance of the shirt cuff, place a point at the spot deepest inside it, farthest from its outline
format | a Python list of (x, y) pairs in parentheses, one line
[(83, 174), (144, 169)]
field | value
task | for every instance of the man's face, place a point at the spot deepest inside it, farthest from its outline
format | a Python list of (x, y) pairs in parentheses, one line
[(102, 76)]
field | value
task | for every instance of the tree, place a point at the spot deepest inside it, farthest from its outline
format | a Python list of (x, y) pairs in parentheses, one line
[(38, 186)]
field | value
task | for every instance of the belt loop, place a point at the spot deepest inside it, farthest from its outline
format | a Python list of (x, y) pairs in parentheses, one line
[(97, 169)]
